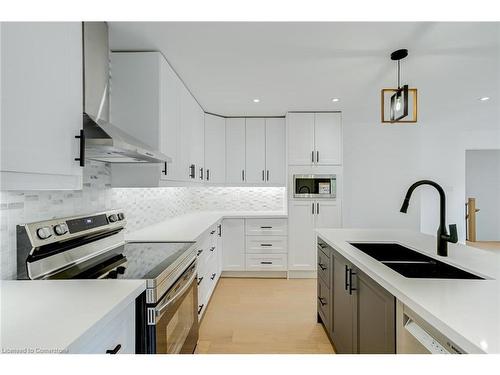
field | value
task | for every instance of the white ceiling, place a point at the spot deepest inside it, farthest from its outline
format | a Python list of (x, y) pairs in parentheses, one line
[(302, 66)]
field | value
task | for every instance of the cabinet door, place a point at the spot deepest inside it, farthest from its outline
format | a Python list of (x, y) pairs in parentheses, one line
[(233, 245), (186, 143), (171, 120), (255, 150), (300, 138), (328, 138), (41, 105), (376, 317), (235, 150), (275, 151), (198, 141), (343, 308), (215, 149), (301, 241), (328, 214)]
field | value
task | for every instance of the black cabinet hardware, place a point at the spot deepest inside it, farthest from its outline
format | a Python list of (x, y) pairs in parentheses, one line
[(266, 262), (199, 252), (212, 248), (317, 208), (165, 170), (192, 169), (208, 174), (81, 137), (213, 276), (201, 173), (350, 280), (220, 229), (323, 268), (312, 156), (242, 175), (317, 156), (268, 175), (321, 299), (200, 307), (266, 227), (115, 350), (212, 232), (266, 244), (263, 175), (313, 208), (200, 279), (346, 276)]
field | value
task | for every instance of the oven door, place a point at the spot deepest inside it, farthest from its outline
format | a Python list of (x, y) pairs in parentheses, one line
[(176, 316)]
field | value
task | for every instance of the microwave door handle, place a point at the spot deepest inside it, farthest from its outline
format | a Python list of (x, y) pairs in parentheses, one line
[(163, 306)]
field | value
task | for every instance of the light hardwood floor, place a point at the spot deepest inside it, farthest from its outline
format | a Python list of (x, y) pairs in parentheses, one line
[(487, 245), (262, 316)]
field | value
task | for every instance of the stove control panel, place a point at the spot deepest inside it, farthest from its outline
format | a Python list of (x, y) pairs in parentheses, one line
[(44, 233)]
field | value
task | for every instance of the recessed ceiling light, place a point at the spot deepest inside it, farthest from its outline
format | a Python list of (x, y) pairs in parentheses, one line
[(335, 100), (484, 98), (256, 100)]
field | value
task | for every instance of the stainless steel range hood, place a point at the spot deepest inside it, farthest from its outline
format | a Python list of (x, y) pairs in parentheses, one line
[(103, 140)]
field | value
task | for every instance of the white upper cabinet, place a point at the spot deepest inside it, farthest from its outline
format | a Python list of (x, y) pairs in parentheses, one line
[(255, 150), (300, 138), (215, 149), (314, 138), (41, 99), (275, 151), (328, 138), (235, 150)]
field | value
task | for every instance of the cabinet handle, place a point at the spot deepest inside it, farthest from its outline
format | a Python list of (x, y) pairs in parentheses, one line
[(200, 307), (346, 277), (320, 299), (317, 208), (268, 175), (208, 174), (115, 350), (220, 229), (201, 173), (200, 280), (212, 232), (317, 156), (242, 175), (350, 280), (312, 156), (263, 179), (266, 262), (81, 137), (313, 208), (323, 268), (266, 227), (212, 248), (192, 168), (213, 276), (165, 170), (199, 252), (266, 244)]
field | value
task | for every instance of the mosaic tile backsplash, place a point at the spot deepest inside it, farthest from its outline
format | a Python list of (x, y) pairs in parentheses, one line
[(142, 206)]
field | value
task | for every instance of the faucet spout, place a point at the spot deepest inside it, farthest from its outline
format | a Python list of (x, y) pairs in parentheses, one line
[(442, 235)]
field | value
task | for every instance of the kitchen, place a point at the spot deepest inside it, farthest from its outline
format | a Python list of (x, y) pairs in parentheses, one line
[(191, 187)]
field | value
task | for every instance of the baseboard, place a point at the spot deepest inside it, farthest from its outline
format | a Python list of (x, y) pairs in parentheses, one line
[(302, 274), (255, 274)]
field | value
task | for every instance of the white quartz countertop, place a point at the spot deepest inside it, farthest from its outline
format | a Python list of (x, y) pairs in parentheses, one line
[(46, 315), (466, 311), (188, 227)]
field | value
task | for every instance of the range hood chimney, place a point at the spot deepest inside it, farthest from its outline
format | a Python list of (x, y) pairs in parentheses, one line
[(104, 141)]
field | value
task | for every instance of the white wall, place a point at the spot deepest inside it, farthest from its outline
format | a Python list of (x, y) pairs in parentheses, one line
[(482, 175)]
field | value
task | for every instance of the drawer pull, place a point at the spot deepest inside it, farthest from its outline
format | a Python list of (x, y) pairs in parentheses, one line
[(321, 299), (213, 276), (323, 268), (266, 227), (212, 232), (199, 252), (266, 244), (200, 307), (200, 280), (266, 262), (212, 248), (115, 350)]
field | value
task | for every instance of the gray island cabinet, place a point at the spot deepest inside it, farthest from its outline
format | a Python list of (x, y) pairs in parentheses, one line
[(357, 313)]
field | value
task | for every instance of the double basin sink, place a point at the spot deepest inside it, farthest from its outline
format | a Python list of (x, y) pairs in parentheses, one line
[(411, 263)]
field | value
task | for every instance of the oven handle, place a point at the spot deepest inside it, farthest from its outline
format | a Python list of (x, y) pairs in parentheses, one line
[(163, 306)]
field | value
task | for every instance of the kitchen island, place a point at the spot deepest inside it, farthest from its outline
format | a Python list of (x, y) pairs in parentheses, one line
[(465, 311)]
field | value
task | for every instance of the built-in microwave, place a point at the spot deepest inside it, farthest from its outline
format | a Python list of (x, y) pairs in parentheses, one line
[(315, 186)]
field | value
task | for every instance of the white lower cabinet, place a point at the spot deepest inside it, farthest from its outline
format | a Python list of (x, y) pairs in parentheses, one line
[(233, 245), (208, 258), (115, 337), (266, 262)]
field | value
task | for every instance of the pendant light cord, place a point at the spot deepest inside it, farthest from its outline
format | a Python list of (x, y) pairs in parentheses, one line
[(399, 74)]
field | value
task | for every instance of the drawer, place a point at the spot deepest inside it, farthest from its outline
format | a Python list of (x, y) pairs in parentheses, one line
[(266, 227), (266, 262), (266, 245), (324, 304), (119, 331), (324, 266)]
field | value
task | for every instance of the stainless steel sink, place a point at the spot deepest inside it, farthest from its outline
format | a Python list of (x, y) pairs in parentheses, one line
[(411, 263)]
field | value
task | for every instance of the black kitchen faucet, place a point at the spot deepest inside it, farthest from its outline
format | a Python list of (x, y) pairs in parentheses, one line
[(442, 236)]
